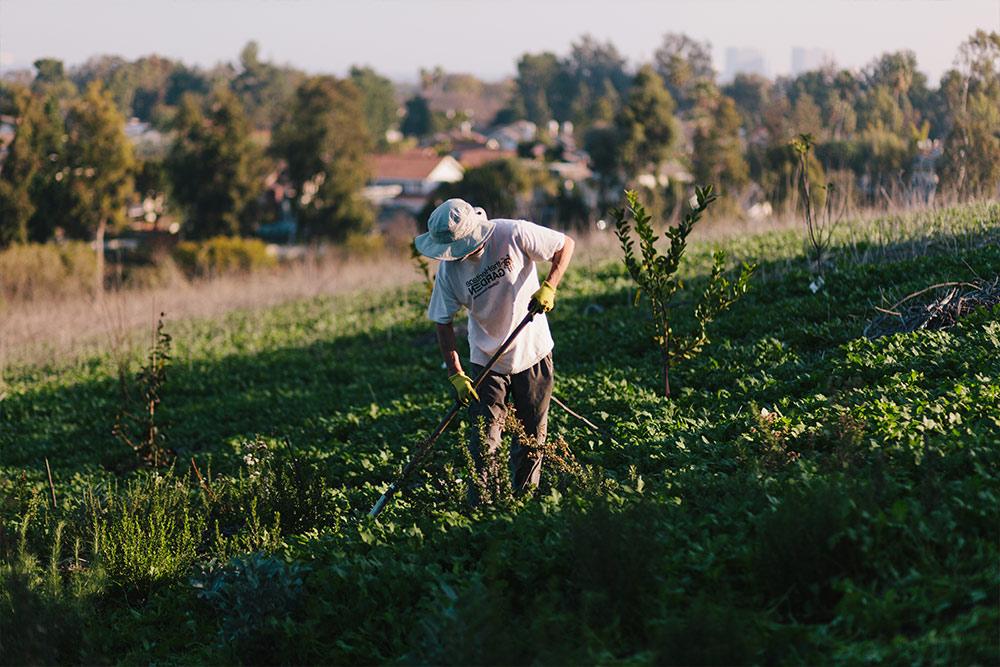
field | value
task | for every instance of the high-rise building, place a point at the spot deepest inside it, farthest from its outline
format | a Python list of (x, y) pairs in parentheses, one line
[(744, 60), (806, 59)]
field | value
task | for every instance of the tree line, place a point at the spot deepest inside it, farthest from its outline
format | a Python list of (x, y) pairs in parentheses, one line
[(233, 128), (70, 169)]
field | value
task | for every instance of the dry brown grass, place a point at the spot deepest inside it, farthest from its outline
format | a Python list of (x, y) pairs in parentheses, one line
[(50, 329), (43, 330)]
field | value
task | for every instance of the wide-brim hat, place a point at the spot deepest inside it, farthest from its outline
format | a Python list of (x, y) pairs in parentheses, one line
[(455, 229)]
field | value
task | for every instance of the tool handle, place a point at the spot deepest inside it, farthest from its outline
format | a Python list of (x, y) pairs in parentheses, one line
[(429, 442), (503, 348)]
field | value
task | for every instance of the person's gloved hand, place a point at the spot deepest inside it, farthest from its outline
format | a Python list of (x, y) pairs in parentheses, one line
[(544, 299), (463, 387)]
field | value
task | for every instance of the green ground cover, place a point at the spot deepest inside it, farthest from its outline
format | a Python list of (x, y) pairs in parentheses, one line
[(807, 496)]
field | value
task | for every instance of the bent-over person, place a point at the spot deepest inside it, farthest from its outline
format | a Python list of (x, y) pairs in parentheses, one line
[(488, 266)]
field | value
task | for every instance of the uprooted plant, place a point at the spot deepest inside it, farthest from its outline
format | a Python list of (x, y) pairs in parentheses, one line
[(656, 276), (137, 424)]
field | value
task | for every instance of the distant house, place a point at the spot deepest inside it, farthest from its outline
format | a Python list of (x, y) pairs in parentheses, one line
[(8, 128), (508, 137), (480, 155), (406, 179), (143, 136)]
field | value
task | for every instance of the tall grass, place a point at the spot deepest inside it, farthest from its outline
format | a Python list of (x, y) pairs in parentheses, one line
[(56, 325), (48, 325)]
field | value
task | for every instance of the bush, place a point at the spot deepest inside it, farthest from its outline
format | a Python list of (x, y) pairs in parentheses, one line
[(282, 493), (363, 245), (38, 270), (37, 627), (222, 254), (256, 598), (149, 535)]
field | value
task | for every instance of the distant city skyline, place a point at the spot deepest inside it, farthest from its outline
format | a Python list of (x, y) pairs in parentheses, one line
[(744, 60), (398, 37)]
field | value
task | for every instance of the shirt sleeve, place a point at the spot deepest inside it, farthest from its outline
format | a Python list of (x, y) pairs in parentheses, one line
[(539, 243), (443, 305)]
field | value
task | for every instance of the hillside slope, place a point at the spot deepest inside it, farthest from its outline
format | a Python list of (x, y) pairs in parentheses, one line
[(808, 496)]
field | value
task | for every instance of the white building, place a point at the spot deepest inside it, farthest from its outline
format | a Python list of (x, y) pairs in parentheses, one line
[(808, 59), (406, 179), (744, 60)]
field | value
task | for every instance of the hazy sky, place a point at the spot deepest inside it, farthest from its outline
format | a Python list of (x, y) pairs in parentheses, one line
[(483, 37)]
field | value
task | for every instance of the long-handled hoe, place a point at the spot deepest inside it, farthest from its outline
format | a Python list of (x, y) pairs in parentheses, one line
[(425, 447)]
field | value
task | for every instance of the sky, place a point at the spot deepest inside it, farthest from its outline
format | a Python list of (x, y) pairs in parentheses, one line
[(483, 37)]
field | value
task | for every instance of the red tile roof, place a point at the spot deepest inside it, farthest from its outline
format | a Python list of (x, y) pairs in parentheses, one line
[(475, 157), (411, 166)]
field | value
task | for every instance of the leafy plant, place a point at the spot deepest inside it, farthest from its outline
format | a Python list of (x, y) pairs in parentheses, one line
[(255, 596), (149, 536), (656, 275), (819, 224), (136, 424)]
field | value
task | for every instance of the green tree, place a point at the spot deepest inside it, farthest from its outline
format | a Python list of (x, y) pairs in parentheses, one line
[(750, 93), (592, 76), (655, 274), (324, 143), (99, 165), (718, 152), (51, 79), (147, 88), (263, 88), (215, 170), (418, 121), (685, 64), (24, 161), (897, 72), (379, 102), (602, 142), (49, 192), (971, 160), (536, 74), (645, 124), (807, 117)]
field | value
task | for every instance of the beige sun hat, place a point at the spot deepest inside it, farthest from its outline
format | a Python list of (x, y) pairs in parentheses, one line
[(455, 229)]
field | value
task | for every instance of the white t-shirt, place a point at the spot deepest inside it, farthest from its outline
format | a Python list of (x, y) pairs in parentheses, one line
[(496, 288)]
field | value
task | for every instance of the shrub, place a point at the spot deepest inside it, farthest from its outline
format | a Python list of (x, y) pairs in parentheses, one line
[(656, 275), (805, 543), (37, 627), (147, 536), (363, 245), (280, 493), (222, 254), (37, 270), (255, 598)]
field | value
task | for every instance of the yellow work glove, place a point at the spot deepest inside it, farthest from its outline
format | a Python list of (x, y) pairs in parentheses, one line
[(544, 299), (463, 387)]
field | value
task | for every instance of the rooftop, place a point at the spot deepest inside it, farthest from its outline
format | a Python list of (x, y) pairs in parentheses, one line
[(410, 166)]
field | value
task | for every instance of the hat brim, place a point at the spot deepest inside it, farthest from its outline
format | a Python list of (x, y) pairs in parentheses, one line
[(447, 252)]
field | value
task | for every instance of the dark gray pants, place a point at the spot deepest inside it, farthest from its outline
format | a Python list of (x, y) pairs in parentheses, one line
[(531, 391)]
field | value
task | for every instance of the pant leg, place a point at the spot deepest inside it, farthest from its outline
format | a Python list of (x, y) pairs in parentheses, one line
[(487, 416), (532, 392)]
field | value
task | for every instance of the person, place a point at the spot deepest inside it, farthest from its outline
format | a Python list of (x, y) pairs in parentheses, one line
[(488, 266)]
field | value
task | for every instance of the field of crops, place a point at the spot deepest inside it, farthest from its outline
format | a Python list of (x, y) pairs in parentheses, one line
[(807, 496)]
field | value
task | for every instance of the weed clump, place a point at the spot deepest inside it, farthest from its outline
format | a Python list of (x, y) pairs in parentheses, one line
[(137, 425), (256, 598), (148, 535)]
